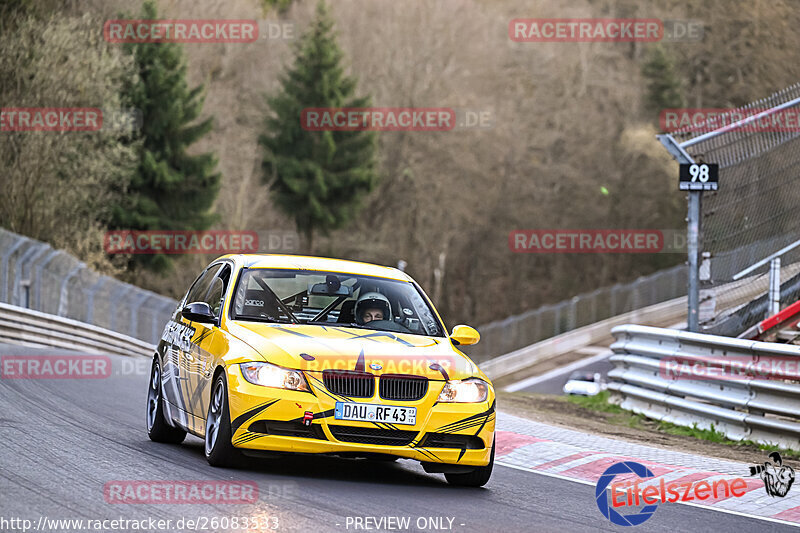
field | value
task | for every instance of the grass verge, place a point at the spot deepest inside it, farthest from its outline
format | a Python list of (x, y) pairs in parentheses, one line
[(619, 416)]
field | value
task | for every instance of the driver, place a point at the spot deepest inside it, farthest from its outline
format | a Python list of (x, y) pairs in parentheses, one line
[(372, 306)]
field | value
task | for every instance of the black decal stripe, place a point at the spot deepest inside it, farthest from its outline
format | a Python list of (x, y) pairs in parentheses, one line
[(294, 332), (429, 453), (248, 437), (462, 427), (203, 336), (472, 417), (322, 388), (360, 362), (377, 335), (468, 424), (460, 455), (453, 425), (241, 419), (482, 425)]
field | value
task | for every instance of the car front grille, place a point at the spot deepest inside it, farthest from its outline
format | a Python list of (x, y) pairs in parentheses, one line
[(377, 436), (403, 388), (349, 383)]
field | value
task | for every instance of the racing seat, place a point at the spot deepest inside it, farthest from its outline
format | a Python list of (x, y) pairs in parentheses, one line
[(346, 314), (258, 303)]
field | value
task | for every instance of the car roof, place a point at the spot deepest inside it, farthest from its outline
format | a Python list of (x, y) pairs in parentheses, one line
[(325, 264)]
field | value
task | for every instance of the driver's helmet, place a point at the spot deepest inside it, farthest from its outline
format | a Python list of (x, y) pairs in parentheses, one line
[(372, 300)]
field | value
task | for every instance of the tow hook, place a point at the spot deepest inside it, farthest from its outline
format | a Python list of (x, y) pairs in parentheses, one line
[(307, 418)]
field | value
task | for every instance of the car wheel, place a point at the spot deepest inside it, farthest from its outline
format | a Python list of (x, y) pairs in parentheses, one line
[(477, 478), (157, 427), (219, 448)]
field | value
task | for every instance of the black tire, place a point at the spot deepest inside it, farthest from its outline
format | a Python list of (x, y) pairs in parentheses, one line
[(477, 478), (158, 429), (218, 446)]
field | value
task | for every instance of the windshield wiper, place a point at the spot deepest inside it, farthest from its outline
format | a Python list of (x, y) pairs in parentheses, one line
[(265, 319), (337, 324)]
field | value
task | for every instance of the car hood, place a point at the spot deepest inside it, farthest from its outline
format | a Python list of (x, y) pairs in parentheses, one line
[(317, 348)]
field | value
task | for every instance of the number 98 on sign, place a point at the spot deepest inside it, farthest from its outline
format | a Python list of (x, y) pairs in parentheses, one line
[(699, 177)]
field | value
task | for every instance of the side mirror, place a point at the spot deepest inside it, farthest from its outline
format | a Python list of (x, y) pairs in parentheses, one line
[(199, 312), (465, 335)]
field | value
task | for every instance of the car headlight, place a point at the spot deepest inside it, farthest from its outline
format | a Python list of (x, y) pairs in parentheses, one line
[(470, 390), (268, 375)]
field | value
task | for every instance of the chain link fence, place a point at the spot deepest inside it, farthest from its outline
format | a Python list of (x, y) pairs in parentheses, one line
[(518, 331), (35, 276), (754, 212)]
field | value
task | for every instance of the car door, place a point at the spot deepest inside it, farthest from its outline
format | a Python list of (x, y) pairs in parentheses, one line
[(180, 347), (210, 343)]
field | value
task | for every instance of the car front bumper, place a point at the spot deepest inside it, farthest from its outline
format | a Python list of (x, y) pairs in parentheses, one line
[(270, 419)]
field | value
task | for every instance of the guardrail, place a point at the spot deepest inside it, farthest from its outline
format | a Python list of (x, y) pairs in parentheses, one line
[(34, 276), (26, 327), (743, 388), (516, 362)]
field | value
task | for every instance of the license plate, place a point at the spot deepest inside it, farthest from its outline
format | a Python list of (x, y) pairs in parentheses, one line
[(365, 412)]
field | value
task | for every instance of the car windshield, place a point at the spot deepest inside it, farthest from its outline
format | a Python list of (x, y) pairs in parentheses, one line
[(314, 297)]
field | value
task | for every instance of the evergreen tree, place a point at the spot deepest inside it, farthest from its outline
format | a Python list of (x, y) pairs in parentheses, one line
[(662, 81), (317, 177), (171, 189), (281, 5)]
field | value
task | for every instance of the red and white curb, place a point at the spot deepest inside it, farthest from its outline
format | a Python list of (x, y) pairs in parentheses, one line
[(576, 456)]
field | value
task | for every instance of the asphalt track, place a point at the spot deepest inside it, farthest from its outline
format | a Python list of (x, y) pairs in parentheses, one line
[(64, 439), (553, 382)]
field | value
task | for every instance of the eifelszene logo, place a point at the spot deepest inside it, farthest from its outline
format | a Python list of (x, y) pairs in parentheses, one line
[(601, 494), (649, 491)]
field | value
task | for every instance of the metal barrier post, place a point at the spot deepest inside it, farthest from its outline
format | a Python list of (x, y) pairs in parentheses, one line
[(4, 265), (90, 299), (39, 271), (137, 303), (774, 287), (62, 298), (116, 296), (35, 249), (572, 317), (693, 234)]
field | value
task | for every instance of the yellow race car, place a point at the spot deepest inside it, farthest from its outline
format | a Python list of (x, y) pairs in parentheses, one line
[(268, 354)]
